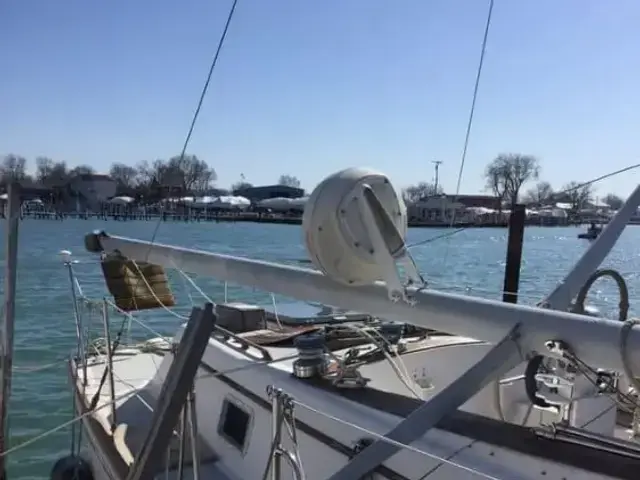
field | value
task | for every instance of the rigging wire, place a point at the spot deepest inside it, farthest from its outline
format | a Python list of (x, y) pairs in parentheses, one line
[(601, 177), (472, 111), (555, 195), (196, 114), (108, 403), (474, 99), (386, 439), (203, 94)]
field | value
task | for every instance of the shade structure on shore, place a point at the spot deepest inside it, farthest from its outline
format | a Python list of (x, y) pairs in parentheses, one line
[(202, 202), (185, 200), (225, 202), (121, 200), (5, 197), (231, 202), (284, 204)]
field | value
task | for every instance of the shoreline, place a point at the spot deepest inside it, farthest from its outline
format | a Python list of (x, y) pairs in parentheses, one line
[(262, 218)]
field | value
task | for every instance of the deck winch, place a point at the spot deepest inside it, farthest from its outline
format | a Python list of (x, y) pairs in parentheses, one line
[(391, 332), (312, 359)]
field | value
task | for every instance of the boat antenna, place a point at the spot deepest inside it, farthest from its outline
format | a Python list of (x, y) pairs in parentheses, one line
[(203, 94)]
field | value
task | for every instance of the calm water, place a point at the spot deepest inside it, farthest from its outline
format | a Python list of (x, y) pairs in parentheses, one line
[(472, 260)]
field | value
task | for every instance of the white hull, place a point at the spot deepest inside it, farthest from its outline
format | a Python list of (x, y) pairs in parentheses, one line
[(325, 444)]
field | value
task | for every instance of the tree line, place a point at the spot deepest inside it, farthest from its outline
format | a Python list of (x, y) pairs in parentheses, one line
[(506, 177), (184, 175)]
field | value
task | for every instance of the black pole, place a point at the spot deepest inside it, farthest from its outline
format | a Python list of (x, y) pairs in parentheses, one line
[(514, 254), (12, 223)]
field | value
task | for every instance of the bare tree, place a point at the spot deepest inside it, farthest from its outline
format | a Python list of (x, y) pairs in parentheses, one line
[(159, 174), (13, 168), (613, 200), (44, 167), (506, 174), (241, 185), (415, 193), (495, 183), (577, 195), (144, 173), (50, 173), (188, 173), (541, 193), (57, 176), (124, 175), (148, 172), (289, 181), (82, 170)]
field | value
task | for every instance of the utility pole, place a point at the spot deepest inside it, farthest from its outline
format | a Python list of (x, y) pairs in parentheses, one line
[(437, 164)]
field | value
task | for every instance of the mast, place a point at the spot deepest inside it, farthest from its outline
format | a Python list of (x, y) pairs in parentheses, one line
[(6, 358)]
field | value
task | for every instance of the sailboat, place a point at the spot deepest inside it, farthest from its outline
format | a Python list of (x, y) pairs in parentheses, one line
[(394, 381), (509, 391)]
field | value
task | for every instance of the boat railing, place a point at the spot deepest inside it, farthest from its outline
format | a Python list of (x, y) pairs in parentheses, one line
[(84, 305)]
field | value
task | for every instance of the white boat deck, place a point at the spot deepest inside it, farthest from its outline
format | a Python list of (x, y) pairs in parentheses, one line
[(138, 377)]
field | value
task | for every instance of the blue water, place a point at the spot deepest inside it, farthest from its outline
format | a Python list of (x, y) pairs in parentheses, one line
[(471, 261)]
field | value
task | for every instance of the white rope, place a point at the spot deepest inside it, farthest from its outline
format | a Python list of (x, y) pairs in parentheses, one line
[(134, 391), (208, 299), (393, 442), (401, 371), (139, 322), (60, 427), (187, 290), (193, 284), (155, 297), (275, 311), (398, 355)]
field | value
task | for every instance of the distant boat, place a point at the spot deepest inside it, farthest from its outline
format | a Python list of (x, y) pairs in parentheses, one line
[(592, 233)]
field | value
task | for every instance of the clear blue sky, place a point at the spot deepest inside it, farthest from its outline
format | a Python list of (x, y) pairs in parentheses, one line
[(309, 87)]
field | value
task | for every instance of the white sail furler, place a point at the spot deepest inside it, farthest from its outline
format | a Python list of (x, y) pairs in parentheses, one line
[(355, 224)]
